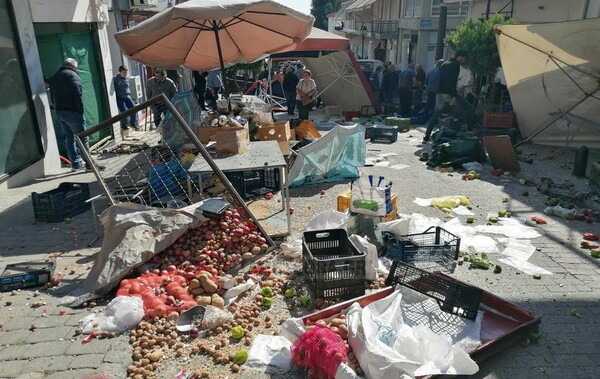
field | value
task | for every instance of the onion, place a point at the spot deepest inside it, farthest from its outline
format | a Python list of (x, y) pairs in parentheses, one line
[(194, 332)]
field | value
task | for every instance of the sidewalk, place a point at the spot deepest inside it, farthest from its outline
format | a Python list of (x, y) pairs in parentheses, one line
[(40, 342)]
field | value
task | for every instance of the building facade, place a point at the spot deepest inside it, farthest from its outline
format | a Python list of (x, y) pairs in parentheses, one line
[(531, 12)]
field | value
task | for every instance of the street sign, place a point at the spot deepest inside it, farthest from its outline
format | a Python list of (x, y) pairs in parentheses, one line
[(425, 22)]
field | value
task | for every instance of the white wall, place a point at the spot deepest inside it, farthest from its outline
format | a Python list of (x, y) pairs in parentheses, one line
[(69, 10), (530, 11)]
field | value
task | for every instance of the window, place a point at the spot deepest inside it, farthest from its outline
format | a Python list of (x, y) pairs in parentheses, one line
[(412, 8), (20, 142), (458, 8)]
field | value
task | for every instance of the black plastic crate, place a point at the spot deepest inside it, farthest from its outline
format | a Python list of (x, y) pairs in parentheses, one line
[(255, 183), (26, 275), (68, 200), (453, 297), (384, 133), (436, 249), (335, 268)]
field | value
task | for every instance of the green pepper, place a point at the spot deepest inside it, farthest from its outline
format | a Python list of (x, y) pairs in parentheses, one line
[(267, 301), (240, 357), (267, 291), (290, 292), (237, 332), (304, 300)]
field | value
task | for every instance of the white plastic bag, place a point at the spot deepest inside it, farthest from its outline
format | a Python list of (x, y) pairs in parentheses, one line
[(393, 338), (270, 353), (399, 227), (234, 292), (120, 315), (328, 219), (371, 263)]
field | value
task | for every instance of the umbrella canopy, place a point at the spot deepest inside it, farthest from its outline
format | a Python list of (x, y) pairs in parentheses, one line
[(340, 81), (556, 95), (206, 34)]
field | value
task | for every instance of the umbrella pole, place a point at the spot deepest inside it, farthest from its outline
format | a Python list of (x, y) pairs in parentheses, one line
[(216, 31), (269, 78)]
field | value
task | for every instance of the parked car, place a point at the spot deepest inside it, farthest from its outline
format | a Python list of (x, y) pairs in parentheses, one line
[(368, 66)]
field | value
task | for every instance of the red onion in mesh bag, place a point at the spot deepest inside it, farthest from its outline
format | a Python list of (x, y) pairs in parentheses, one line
[(321, 351)]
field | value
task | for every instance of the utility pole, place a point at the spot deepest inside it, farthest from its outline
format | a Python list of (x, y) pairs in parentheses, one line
[(439, 49)]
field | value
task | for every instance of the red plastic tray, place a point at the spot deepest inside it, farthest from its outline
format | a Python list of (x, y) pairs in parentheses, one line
[(503, 324)]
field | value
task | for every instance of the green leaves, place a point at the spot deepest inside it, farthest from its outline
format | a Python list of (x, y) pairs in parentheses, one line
[(478, 38)]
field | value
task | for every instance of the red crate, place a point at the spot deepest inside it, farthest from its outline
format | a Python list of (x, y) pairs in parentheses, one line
[(498, 120)]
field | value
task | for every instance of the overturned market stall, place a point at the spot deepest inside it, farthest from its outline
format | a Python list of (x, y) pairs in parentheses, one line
[(556, 95), (339, 79)]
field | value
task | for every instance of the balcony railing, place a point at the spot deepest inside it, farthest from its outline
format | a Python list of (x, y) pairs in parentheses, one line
[(383, 28)]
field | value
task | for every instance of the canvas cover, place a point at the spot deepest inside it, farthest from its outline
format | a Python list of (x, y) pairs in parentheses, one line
[(553, 69), (335, 156), (341, 82), (184, 35)]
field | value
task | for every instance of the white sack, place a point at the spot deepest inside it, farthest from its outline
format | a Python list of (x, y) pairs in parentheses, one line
[(371, 263), (120, 315)]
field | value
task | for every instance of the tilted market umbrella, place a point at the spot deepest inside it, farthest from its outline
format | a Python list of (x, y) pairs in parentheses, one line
[(206, 34)]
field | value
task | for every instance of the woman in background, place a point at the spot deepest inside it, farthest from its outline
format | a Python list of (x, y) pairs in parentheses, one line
[(305, 94)]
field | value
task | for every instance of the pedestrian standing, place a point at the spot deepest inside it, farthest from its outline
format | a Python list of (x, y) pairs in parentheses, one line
[(408, 81), (447, 95), (432, 82), (67, 97), (120, 85), (299, 70), (200, 87), (390, 87), (290, 81), (376, 80), (305, 94), (156, 85), (214, 83), (418, 92)]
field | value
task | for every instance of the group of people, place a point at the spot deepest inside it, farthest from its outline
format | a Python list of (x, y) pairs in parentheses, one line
[(440, 85), (207, 87), (300, 90), (407, 85)]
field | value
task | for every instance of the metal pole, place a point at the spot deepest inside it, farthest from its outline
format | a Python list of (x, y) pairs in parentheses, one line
[(270, 83), (362, 54), (439, 50), (226, 93), (487, 9)]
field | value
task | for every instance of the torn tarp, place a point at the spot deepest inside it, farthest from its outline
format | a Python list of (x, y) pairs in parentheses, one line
[(133, 234)]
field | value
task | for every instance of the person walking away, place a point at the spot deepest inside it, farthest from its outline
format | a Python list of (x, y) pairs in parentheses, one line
[(299, 70), (156, 85), (305, 94), (390, 87), (432, 82), (418, 92), (447, 95), (215, 83), (376, 82), (120, 85), (200, 87), (290, 81), (67, 97), (408, 81)]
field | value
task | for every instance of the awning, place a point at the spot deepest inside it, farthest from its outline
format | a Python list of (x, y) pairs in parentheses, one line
[(359, 4), (318, 41)]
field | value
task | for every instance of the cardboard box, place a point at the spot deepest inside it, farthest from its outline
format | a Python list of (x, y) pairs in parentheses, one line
[(207, 134), (292, 134), (232, 141), (284, 146), (343, 204), (280, 131)]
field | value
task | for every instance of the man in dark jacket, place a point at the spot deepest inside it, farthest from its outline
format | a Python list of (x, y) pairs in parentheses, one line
[(432, 82), (447, 95), (390, 88), (290, 81), (200, 87), (67, 97)]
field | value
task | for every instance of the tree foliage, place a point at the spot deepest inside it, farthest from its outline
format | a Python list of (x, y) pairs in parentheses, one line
[(478, 38), (321, 8)]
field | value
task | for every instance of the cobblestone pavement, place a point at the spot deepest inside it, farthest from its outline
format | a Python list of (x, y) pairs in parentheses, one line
[(40, 342)]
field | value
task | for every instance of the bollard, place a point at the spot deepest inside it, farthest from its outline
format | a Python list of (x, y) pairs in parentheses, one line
[(581, 159)]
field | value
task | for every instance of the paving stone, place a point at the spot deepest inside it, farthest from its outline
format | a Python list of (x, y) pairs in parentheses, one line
[(49, 364), (46, 349), (74, 374), (50, 321), (112, 370), (11, 369), (87, 361), (14, 352), (31, 375), (119, 355), (14, 337), (96, 346), (50, 334), (18, 323)]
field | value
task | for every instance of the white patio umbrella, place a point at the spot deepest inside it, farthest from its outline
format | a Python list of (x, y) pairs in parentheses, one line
[(206, 34)]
